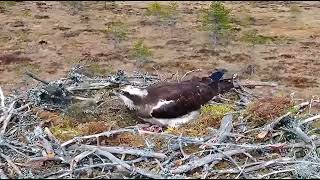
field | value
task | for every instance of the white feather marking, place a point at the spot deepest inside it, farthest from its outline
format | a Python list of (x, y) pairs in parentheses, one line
[(128, 102), (175, 122), (160, 103), (135, 91)]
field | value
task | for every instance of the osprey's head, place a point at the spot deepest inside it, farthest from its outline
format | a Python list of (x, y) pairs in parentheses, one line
[(218, 74), (131, 96)]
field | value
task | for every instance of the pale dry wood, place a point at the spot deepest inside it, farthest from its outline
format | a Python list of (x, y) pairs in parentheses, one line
[(189, 72), (3, 175), (128, 167), (123, 150), (2, 98), (11, 163), (211, 158)]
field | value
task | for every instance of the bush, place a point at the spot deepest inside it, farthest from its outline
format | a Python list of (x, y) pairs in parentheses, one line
[(141, 51), (217, 21), (163, 13), (117, 31)]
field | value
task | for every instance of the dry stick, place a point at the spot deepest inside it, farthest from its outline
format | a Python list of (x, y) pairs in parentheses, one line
[(79, 157), (2, 98), (125, 150), (256, 166), (7, 119), (270, 126), (36, 78), (211, 158), (257, 83), (92, 86), (224, 130), (11, 111), (276, 172), (127, 166), (16, 169), (107, 133), (3, 175), (189, 72), (309, 119)]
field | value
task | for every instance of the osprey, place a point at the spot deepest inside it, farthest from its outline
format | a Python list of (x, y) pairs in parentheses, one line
[(174, 104)]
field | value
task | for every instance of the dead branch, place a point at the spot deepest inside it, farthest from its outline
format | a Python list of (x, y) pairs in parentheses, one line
[(124, 150), (3, 175), (189, 72), (211, 158), (10, 163), (36, 78), (127, 166), (2, 98)]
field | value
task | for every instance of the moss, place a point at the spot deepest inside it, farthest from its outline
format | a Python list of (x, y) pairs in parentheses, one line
[(217, 111), (82, 111), (211, 116), (66, 130)]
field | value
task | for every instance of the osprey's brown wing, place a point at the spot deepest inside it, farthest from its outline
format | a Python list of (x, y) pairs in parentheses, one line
[(187, 97)]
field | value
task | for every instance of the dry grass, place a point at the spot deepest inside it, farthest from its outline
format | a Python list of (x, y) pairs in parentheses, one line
[(268, 108)]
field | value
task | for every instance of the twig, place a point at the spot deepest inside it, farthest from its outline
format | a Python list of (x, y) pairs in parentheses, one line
[(108, 134), (16, 169), (189, 72), (79, 157), (127, 166), (123, 150), (2, 98), (211, 158), (276, 172), (36, 78), (3, 175), (224, 130), (309, 119)]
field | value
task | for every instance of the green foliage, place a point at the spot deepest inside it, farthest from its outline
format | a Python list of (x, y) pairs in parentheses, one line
[(216, 20), (141, 51), (118, 31), (163, 12)]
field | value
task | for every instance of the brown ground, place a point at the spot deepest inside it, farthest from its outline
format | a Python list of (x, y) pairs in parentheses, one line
[(48, 38)]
